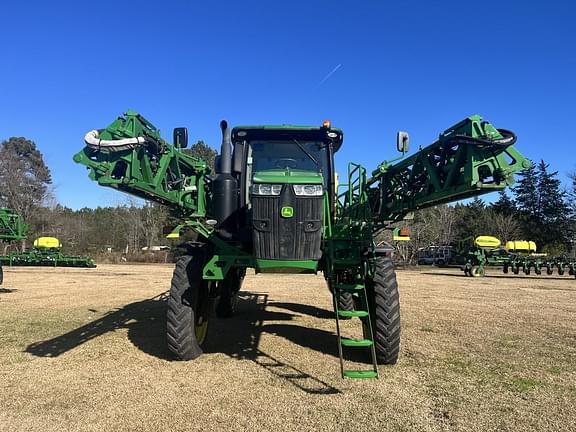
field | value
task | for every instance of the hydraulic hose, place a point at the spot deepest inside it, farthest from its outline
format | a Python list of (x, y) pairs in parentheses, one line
[(508, 139), (93, 141)]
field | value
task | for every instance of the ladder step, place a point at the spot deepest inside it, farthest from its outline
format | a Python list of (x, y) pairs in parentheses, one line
[(360, 374), (349, 287), (351, 314), (356, 342)]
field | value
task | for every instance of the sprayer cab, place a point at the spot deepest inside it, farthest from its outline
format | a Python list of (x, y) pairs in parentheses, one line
[(270, 190)]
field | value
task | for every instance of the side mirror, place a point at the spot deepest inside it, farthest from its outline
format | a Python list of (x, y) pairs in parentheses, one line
[(402, 141), (181, 137)]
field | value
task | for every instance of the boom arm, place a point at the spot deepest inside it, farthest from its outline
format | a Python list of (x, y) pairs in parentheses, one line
[(129, 155), (469, 159)]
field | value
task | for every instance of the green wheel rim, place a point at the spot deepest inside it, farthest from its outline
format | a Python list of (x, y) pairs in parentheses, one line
[(200, 331)]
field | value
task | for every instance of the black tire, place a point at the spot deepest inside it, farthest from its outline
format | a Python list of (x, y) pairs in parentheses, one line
[(477, 271), (537, 270), (384, 300), (229, 287), (345, 303), (1, 275), (189, 307)]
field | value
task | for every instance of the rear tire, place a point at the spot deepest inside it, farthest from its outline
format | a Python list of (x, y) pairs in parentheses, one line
[(345, 302), (1, 275), (189, 307), (384, 301), (229, 288)]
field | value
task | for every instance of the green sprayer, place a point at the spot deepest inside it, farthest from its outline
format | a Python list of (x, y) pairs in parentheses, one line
[(274, 205)]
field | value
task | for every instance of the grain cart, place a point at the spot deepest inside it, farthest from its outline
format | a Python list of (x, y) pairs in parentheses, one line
[(274, 205), (11, 229)]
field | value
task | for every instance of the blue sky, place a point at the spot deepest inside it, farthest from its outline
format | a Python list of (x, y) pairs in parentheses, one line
[(68, 67)]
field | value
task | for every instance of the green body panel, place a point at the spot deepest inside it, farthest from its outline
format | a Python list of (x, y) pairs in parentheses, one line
[(287, 176), (286, 266)]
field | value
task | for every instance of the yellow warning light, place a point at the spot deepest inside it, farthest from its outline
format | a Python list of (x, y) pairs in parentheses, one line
[(326, 124)]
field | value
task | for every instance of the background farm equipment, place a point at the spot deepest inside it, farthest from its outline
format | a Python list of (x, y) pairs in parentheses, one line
[(11, 229), (46, 252), (515, 257), (273, 205)]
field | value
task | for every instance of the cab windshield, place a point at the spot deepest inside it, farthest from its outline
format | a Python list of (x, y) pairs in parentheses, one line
[(295, 155)]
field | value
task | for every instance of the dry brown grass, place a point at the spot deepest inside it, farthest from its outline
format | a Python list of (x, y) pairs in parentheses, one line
[(84, 349)]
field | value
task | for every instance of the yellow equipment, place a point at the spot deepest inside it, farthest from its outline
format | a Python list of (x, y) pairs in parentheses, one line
[(487, 242), (47, 243), (520, 246)]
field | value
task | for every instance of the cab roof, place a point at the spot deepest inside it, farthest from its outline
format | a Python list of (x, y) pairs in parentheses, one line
[(289, 132)]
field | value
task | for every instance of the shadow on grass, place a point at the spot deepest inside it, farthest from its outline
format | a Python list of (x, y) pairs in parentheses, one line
[(238, 337), (7, 290)]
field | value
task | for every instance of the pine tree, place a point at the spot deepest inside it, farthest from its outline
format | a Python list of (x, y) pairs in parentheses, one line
[(504, 206), (526, 191), (203, 151), (542, 210)]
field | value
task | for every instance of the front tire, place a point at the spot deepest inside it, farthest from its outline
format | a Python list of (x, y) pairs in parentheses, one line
[(189, 308), (384, 300)]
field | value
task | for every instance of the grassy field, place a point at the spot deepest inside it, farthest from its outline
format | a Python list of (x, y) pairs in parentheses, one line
[(84, 349)]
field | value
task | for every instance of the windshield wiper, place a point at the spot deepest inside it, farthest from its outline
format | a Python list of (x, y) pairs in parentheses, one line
[(306, 152)]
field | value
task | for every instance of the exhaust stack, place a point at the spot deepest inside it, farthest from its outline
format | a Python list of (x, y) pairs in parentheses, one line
[(225, 188)]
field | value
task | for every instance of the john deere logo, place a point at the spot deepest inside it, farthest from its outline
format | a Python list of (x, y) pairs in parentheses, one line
[(287, 212)]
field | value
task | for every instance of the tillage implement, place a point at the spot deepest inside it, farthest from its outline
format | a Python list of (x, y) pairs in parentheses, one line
[(274, 205)]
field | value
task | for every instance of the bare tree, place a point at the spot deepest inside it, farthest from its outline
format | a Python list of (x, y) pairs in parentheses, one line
[(504, 227), (153, 217)]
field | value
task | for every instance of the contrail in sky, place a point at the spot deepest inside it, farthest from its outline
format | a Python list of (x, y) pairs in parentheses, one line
[(332, 72)]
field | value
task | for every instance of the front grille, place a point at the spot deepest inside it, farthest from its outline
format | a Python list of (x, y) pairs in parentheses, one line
[(290, 238)]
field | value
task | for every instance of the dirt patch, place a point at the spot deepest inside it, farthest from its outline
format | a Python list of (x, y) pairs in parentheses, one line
[(85, 349)]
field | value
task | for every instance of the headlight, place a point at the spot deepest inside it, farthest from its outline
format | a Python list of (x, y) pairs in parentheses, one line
[(308, 190), (266, 189)]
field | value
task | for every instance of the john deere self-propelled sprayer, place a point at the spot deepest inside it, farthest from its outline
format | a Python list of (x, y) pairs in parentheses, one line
[(273, 205), (11, 229)]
